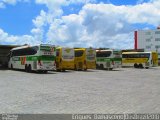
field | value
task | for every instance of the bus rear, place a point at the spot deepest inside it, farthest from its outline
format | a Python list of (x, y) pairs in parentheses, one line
[(46, 58), (90, 58), (64, 59), (117, 59)]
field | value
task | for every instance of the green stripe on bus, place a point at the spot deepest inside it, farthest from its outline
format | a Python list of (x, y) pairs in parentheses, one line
[(43, 58), (108, 59), (35, 58)]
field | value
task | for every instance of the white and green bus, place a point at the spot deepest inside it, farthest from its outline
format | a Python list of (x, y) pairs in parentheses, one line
[(108, 59), (33, 58)]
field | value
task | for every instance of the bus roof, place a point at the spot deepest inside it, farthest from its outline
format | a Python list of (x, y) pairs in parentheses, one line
[(135, 52), (64, 47), (79, 48), (26, 46), (107, 50), (16, 48)]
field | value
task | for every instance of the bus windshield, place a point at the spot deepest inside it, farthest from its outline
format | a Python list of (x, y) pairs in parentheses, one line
[(79, 53), (103, 53)]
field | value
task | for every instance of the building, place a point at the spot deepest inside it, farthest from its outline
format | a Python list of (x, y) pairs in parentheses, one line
[(149, 40), (4, 52)]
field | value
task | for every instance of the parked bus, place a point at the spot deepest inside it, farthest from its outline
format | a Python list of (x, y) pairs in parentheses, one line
[(108, 59), (85, 58), (36, 58), (140, 59), (64, 59)]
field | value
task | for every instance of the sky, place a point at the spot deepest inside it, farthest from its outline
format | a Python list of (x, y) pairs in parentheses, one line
[(76, 23)]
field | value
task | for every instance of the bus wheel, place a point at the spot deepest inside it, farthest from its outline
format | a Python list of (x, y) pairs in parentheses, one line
[(140, 66), (146, 67), (110, 68), (85, 69), (75, 68), (135, 65), (11, 67), (97, 66), (101, 66), (45, 71), (58, 70), (63, 70), (29, 69), (26, 68)]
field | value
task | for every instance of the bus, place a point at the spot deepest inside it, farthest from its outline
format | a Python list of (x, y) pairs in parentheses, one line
[(85, 58), (108, 59), (33, 58), (64, 58), (139, 59)]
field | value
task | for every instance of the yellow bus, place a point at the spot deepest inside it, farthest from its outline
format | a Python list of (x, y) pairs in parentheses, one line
[(85, 58), (140, 59), (64, 58)]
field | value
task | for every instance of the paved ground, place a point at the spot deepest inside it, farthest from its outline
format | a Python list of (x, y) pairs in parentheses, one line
[(125, 90)]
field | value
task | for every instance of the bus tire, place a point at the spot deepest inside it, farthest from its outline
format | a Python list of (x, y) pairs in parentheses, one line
[(63, 70), (97, 66), (11, 67), (110, 68), (85, 69), (101, 66), (45, 71), (58, 70), (26, 68), (135, 65), (140, 65), (29, 68), (75, 68), (146, 67)]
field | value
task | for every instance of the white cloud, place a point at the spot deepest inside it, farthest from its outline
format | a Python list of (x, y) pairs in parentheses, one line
[(97, 25), (54, 6), (17, 40), (2, 5), (11, 2), (40, 20), (103, 25)]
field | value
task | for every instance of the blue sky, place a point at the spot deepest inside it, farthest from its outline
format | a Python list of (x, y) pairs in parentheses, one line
[(61, 23), (123, 2), (13, 17)]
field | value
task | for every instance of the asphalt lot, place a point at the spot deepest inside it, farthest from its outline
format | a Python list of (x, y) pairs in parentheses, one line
[(125, 90)]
